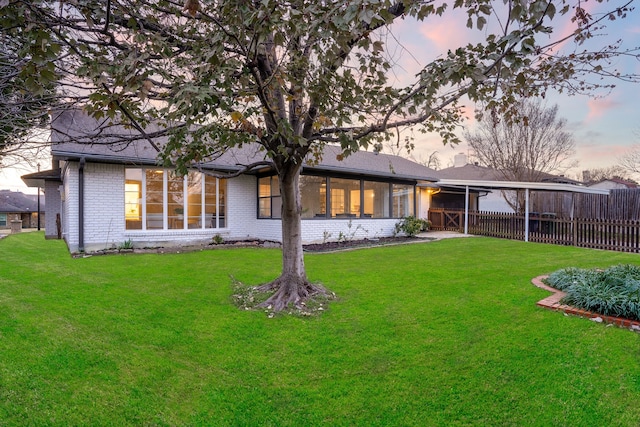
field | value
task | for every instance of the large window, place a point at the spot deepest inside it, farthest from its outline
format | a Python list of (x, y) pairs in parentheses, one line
[(313, 191), (402, 200), (269, 199), (331, 197), (345, 198), (376, 199), (157, 199), (3, 219)]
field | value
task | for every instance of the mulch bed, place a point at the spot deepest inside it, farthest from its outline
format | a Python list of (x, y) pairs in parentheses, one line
[(316, 247), (363, 243)]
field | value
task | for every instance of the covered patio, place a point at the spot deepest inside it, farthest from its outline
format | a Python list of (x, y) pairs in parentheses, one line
[(467, 185)]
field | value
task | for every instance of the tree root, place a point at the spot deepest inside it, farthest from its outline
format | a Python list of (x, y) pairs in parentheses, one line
[(293, 293)]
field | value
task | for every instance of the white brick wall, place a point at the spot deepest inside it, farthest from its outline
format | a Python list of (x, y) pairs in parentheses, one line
[(269, 229), (104, 222), (103, 206), (70, 205), (53, 206), (317, 231), (242, 207)]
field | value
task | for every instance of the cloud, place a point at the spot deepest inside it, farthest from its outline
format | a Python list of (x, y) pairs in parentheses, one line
[(600, 107), (439, 33)]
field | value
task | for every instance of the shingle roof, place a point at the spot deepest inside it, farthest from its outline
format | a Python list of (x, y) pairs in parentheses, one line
[(75, 135), (469, 171), (17, 202), (482, 173)]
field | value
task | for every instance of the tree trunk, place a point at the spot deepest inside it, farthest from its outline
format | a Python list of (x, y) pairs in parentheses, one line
[(292, 287)]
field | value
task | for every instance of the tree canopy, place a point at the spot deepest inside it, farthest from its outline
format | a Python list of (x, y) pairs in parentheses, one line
[(22, 110), (294, 75), (527, 149)]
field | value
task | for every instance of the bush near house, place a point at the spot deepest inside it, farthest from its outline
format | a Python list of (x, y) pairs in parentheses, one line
[(411, 226)]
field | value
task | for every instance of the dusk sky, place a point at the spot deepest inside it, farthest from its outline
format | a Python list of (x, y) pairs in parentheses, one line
[(604, 128)]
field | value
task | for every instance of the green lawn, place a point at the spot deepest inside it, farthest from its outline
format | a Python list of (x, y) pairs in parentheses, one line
[(439, 333)]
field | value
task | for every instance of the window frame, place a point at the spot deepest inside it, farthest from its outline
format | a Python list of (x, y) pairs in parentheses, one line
[(328, 195), (218, 219)]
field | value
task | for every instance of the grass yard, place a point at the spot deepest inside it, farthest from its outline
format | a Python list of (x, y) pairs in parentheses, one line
[(431, 334)]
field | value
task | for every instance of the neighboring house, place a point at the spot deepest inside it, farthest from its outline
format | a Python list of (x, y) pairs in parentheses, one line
[(16, 206), (495, 200), (103, 193), (613, 184), (483, 200)]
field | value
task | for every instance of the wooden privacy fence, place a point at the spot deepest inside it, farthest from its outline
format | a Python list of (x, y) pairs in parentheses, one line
[(611, 234)]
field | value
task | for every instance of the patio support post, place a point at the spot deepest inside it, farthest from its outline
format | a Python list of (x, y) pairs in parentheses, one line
[(466, 209), (526, 215)]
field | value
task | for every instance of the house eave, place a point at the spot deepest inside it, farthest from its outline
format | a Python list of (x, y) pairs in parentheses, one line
[(520, 185), (424, 180)]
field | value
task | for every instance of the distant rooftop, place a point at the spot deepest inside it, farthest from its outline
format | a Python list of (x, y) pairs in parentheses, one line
[(17, 202)]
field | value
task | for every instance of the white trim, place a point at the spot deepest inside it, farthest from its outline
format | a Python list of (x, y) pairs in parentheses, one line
[(521, 185)]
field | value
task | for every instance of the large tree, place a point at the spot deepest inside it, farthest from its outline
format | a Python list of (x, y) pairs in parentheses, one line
[(23, 106), (592, 176), (533, 143), (295, 75), (630, 160)]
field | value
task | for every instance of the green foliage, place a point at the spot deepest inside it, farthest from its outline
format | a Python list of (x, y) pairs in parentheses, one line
[(289, 76), (217, 239), (127, 244), (410, 226), (612, 292)]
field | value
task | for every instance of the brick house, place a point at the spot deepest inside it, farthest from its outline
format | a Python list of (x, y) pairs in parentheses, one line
[(102, 192), (16, 206)]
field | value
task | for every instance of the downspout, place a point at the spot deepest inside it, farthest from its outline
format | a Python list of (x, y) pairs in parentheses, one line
[(81, 205)]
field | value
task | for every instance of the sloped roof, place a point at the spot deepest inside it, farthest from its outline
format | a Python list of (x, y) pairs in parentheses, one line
[(37, 179), (17, 202), (483, 173), (75, 135), (615, 180), (469, 171)]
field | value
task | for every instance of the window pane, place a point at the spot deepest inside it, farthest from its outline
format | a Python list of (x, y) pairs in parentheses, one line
[(3, 219), (402, 200), (154, 203), (175, 200), (269, 200), (264, 199), (133, 199), (264, 186), (376, 199), (210, 202), (194, 200), (313, 191), (222, 203), (345, 197), (276, 207)]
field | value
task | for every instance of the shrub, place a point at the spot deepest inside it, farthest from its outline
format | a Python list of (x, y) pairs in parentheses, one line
[(411, 226), (611, 292), (566, 277)]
